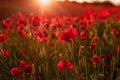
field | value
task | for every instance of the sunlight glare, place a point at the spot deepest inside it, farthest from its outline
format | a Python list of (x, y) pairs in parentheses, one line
[(45, 2)]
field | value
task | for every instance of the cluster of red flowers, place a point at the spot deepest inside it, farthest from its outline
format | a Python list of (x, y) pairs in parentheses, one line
[(23, 67), (3, 36), (68, 34), (63, 64)]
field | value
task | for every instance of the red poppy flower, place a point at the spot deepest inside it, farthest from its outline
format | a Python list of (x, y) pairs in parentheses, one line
[(92, 47), (21, 33), (63, 64), (68, 34), (41, 35), (68, 21), (16, 71), (83, 27), (28, 68), (83, 35), (23, 20), (103, 56), (46, 23), (115, 31), (7, 23), (118, 47), (58, 23), (23, 51), (22, 64), (20, 27), (95, 59), (81, 22), (90, 22), (5, 52), (35, 21), (118, 17), (94, 39), (110, 54), (3, 37), (101, 16)]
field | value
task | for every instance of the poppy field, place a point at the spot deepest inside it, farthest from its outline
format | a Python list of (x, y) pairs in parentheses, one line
[(74, 46)]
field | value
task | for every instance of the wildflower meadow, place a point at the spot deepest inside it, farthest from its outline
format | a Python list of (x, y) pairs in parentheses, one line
[(74, 46)]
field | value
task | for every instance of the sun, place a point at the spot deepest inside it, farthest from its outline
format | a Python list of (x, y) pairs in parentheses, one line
[(45, 2)]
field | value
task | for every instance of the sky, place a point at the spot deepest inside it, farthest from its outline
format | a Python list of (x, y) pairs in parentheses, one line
[(114, 1)]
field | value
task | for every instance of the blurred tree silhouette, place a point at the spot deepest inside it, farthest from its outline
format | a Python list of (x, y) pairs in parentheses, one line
[(103, 3)]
